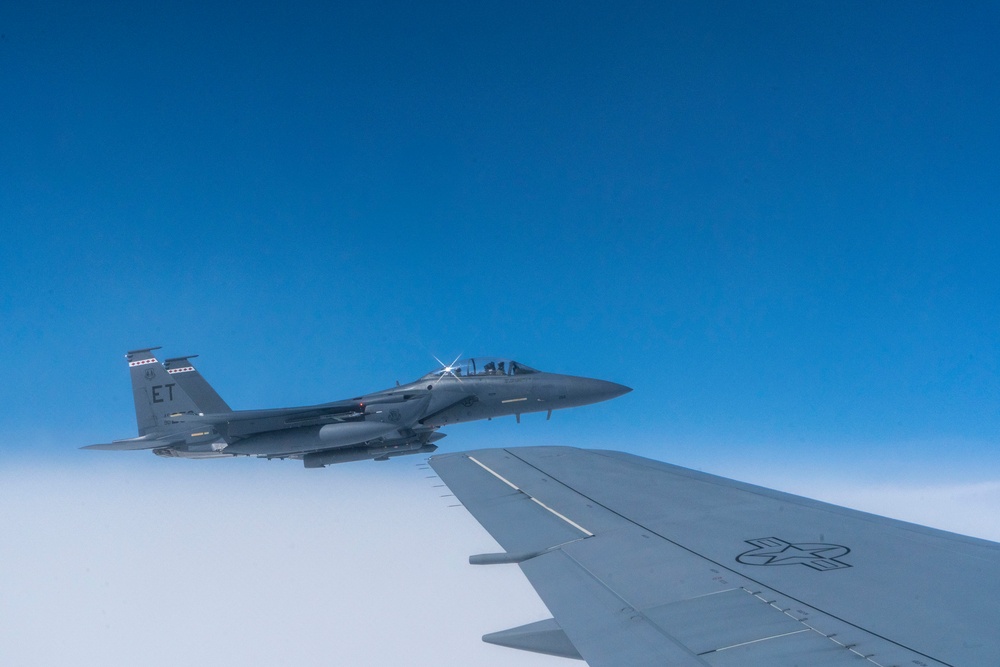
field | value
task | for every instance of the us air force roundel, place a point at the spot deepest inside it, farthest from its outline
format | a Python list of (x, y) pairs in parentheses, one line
[(774, 551)]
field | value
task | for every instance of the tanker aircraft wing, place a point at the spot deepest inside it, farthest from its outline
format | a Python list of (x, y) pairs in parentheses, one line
[(643, 563)]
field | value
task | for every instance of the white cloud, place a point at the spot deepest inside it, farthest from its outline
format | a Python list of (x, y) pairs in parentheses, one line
[(253, 564), (968, 508), (142, 561), (937, 494)]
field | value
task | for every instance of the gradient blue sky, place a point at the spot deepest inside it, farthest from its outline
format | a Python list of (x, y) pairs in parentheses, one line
[(776, 221)]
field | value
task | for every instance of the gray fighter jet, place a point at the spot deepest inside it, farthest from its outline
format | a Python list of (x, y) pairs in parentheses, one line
[(180, 415)]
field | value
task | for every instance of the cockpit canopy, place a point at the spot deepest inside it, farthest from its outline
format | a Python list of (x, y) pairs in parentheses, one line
[(481, 367)]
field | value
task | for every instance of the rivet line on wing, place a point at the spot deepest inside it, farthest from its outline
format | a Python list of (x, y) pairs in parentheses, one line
[(831, 637)]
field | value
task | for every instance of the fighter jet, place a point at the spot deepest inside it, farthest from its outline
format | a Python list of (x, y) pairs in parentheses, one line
[(180, 415)]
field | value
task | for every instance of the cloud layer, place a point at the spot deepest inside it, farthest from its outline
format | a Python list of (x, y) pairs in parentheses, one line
[(259, 564), (251, 563)]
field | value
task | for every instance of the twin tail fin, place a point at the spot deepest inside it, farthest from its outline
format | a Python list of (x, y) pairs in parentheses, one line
[(158, 397)]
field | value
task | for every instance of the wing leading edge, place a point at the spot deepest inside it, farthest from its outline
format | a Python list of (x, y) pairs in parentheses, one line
[(644, 563)]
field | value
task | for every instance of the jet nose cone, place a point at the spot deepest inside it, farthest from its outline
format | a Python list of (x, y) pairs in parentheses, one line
[(613, 390), (594, 391)]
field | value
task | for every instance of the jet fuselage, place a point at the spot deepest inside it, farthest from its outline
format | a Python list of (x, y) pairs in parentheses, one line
[(400, 420)]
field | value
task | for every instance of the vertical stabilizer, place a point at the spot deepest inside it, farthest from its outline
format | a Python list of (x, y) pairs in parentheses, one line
[(201, 392), (157, 396)]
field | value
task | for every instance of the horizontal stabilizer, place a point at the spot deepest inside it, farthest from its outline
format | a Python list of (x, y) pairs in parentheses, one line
[(539, 637), (131, 444)]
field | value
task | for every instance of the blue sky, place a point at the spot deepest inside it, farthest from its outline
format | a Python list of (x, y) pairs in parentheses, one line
[(777, 222)]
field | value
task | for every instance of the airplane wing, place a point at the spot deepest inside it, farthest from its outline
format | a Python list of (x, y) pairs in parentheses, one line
[(644, 563), (241, 423)]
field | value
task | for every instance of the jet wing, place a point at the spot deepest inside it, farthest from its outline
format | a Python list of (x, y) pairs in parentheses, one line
[(644, 563), (241, 423)]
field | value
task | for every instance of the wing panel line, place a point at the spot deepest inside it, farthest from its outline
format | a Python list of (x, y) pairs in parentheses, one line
[(536, 500), (762, 639)]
